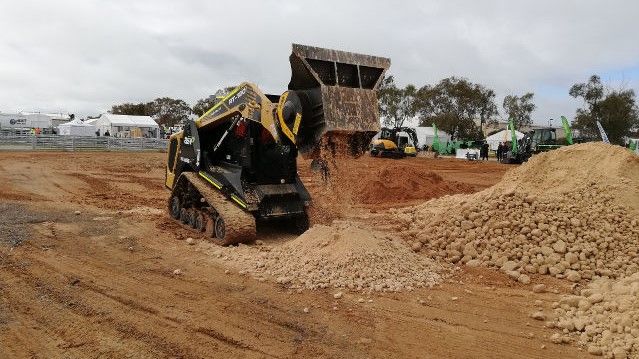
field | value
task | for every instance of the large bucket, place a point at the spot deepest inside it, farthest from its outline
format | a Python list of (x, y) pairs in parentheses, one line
[(338, 94)]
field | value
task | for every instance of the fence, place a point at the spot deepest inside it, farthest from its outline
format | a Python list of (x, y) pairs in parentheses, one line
[(79, 143)]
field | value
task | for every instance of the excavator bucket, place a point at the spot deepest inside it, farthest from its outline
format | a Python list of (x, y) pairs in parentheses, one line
[(338, 93)]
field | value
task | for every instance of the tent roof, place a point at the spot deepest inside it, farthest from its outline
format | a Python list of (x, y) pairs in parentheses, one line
[(75, 122), (429, 131), (126, 120), (504, 135)]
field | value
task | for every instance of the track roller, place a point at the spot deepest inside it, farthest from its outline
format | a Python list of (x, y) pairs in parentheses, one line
[(199, 221), (174, 207), (222, 220), (185, 215)]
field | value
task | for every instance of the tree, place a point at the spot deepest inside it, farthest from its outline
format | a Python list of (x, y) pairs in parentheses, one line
[(519, 109), (616, 110), (396, 105), (454, 104), (168, 111), (204, 104), (134, 109)]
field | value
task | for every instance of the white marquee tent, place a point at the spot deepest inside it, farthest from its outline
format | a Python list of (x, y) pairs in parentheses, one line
[(502, 136), (127, 126), (426, 135), (76, 128)]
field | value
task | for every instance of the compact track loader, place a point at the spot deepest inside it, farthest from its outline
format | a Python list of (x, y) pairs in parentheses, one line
[(237, 164)]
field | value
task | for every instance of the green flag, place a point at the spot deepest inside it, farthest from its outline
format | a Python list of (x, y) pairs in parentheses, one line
[(513, 137), (567, 130), (435, 139)]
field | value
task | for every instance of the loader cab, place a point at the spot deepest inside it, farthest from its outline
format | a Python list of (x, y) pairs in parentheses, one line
[(543, 139), (250, 152), (544, 136)]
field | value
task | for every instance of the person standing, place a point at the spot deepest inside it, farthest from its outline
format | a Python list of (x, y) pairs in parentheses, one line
[(500, 150)]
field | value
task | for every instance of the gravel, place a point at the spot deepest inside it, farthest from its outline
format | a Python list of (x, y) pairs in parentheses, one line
[(16, 221), (604, 317), (343, 255), (534, 223)]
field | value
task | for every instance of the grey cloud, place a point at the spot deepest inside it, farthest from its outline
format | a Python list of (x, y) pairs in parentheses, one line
[(85, 56)]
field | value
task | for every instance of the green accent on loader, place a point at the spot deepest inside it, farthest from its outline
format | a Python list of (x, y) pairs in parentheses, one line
[(567, 130), (513, 137), (435, 139)]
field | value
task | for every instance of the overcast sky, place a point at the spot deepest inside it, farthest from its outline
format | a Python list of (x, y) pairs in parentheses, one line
[(84, 56)]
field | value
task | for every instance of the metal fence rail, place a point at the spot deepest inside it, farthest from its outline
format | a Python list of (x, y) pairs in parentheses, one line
[(79, 143)]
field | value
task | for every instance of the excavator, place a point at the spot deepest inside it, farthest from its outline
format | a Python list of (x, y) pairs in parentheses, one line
[(397, 142), (236, 165)]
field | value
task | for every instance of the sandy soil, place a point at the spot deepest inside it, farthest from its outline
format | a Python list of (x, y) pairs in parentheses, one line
[(102, 283)]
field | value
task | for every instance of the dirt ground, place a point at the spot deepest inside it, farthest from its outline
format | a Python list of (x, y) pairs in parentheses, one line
[(101, 283)]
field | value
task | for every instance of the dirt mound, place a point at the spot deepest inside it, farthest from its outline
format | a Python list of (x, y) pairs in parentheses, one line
[(374, 184), (575, 167), (404, 183), (603, 317), (570, 213), (339, 256)]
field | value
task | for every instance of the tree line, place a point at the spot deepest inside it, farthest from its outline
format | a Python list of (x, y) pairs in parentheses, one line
[(461, 107), (169, 111), (456, 105)]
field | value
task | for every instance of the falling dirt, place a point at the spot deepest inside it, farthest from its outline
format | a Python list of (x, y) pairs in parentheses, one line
[(408, 184), (371, 184)]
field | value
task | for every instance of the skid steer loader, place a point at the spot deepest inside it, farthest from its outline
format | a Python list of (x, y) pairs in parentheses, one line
[(237, 163)]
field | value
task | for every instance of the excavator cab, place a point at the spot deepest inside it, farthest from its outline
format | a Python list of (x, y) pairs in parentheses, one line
[(406, 144)]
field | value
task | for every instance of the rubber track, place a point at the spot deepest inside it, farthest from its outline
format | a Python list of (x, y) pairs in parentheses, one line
[(240, 225)]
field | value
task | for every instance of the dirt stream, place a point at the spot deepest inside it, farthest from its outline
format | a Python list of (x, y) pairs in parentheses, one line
[(101, 283)]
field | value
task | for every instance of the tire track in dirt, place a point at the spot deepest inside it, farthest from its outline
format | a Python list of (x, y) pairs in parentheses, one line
[(136, 307), (85, 272), (130, 328)]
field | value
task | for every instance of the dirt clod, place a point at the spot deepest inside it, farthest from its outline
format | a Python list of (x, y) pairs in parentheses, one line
[(539, 288)]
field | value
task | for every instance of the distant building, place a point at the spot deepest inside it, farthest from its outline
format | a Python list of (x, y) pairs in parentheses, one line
[(426, 136), (126, 126), (28, 120), (76, 127)]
